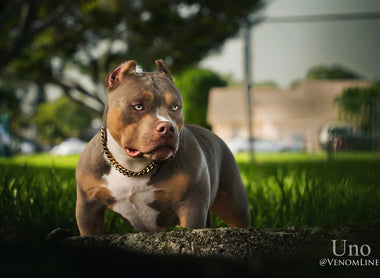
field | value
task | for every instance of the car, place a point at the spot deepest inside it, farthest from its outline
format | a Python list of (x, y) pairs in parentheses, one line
[(293, 143), (27, 147), (68, 147), (239, 144)]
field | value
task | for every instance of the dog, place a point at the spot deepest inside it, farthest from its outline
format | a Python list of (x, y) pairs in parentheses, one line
[(150, 168)]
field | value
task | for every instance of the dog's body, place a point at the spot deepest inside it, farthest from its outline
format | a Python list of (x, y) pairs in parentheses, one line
[(143, 122)]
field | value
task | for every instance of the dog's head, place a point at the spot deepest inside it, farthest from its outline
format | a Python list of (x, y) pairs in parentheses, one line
[(144, 113)]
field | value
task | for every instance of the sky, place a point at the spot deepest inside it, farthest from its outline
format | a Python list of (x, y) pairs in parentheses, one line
[(284, 52)]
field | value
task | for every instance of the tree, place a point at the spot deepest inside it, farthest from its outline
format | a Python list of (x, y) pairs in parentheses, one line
[(10, 108), (330, 72), (362, 106), (60, 120), (195, 85), (46, 39), (23, 21)]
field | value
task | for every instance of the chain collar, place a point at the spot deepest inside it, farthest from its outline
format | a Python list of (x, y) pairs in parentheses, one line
[(119, 167)]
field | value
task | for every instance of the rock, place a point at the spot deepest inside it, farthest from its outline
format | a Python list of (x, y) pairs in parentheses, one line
[(223, 252), (238, 244)]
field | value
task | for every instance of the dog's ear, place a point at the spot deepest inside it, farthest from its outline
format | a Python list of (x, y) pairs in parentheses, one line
[(162, 68), (118, 73)]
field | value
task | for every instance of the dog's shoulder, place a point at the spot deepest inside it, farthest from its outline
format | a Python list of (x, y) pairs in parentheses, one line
[(210, 144), (204, 137), (92, 160)]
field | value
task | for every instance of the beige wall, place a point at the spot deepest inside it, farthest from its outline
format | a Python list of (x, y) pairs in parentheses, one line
[(277, 113)]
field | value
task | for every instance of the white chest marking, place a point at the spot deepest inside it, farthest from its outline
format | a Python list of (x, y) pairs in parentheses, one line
[(133, 197)]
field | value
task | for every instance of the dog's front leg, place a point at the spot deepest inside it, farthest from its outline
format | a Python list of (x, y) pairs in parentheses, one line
[(191, 216), (90, 216)]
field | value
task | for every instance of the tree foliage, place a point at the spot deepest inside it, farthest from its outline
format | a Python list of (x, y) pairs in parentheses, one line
[(330, 72), (195, 85), (44, 39), (362, 106), (60, 120), (10, 108)]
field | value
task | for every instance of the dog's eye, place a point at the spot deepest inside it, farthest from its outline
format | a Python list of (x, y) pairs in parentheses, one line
[(175, 107), (138, 107)]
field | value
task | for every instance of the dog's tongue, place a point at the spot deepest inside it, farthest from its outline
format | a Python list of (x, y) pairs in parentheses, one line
[(132, 152)]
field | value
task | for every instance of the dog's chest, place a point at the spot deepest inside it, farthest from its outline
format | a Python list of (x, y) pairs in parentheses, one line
[(133, 198)]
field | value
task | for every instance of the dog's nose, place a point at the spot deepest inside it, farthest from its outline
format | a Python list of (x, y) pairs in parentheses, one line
[(165, 128)]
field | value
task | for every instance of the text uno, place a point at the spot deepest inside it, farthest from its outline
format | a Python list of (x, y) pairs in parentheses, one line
[(351, 250)]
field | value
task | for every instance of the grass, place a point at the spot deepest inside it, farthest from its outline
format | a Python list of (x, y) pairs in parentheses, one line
[(312, 193), (42, 161), (37, 197), (286, 157), (39, 192)]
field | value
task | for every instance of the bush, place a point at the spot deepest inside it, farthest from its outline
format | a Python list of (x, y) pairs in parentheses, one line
[(195, 84)]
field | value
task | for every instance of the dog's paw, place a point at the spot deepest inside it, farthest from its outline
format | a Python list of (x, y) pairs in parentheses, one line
[(58, 234)]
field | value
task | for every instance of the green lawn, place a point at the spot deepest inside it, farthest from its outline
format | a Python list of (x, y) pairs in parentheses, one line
[(39, 192), (42, 160)]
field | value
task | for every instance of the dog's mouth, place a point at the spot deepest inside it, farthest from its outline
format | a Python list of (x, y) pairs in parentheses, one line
[(158, 153), (132, 152)]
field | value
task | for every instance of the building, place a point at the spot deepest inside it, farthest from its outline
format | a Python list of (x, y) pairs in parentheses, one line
[(301, 110)]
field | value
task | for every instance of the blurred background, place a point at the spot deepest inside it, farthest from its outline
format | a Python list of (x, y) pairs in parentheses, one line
[(314, 81), (56, 57), (313, 78)]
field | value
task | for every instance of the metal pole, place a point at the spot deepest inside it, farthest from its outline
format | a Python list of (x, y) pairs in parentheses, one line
[(248, 85)]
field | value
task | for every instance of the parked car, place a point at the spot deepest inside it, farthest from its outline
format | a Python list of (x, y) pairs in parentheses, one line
[(27, 147), (293, 143), (69, 146), (239, 144)]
